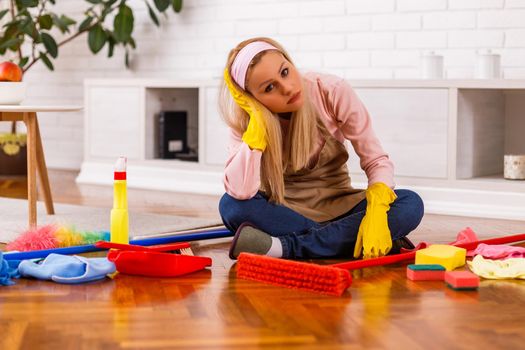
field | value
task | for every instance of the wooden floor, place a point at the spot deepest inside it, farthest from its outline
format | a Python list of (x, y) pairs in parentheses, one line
[(213, 309)]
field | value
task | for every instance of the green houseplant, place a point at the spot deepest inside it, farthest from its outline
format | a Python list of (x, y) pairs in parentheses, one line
[(28, 34)]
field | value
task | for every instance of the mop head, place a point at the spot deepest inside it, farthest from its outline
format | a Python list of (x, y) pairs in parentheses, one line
[(293, 274), (55, 236)]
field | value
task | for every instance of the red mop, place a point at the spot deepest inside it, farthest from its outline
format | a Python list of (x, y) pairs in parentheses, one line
[(328, 279)]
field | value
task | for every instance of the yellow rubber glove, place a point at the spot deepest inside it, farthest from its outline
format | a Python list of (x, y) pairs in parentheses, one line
[(255, 134), (374, 236)]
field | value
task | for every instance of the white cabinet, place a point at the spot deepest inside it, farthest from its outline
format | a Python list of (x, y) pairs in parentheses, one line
[(117, 127), (446, 138), (121, 119), (216, 134), (412, 127)]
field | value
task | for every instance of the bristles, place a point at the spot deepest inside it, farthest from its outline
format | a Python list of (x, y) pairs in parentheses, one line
[(35, 239), (293, 274), (54, 236), (91, 237), (68, 237), (187, 251)]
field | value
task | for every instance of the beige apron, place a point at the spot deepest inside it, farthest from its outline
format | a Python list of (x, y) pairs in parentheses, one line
[(324, 191)]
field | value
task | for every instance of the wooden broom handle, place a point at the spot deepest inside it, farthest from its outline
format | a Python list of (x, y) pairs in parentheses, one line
[(391, 259)]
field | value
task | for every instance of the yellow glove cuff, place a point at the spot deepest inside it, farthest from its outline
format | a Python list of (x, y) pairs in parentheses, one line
[(380, 193)]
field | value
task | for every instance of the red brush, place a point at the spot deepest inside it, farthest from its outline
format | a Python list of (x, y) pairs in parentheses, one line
[(293, 274), (328, 279)]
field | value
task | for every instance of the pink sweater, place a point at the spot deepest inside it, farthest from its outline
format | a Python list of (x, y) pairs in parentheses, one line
[(344, 116)]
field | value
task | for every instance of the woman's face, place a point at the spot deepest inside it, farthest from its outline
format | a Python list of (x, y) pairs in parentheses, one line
[(276, 83)]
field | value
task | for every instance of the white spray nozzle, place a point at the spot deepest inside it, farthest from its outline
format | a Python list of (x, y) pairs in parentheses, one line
[(120, 165)]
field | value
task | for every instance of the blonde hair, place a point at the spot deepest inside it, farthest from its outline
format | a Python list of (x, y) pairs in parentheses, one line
[(292, 153)]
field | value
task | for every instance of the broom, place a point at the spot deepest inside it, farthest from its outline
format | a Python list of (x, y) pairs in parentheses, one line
[(328, 279)]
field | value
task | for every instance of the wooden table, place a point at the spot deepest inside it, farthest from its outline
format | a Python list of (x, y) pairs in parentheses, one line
[(36, 162)]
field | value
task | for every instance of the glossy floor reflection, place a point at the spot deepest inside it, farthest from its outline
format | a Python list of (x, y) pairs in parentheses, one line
[(214, 309)]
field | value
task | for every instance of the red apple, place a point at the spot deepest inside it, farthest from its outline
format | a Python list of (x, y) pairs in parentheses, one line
[(10, 71)]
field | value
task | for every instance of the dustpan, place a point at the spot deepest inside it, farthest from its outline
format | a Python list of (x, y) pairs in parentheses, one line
[(156, 264), (152, 261)]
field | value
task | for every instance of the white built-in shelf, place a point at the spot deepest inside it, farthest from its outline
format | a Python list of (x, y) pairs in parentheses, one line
[(446, 138), (500, 84)]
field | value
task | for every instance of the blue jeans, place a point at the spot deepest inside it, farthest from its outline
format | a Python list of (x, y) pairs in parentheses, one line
[(305, 238)]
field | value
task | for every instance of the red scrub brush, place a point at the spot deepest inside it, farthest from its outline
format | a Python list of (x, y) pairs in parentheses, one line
[(328, 279), (293, 274)]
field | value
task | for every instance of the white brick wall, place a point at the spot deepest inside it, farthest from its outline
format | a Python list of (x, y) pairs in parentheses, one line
[(375, 39)]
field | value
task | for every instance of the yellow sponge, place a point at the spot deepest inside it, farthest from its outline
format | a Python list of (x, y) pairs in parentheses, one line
[(446, 255)]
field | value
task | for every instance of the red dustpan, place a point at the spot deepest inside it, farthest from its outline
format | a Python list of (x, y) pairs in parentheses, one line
[(157, 264), (151, 262)]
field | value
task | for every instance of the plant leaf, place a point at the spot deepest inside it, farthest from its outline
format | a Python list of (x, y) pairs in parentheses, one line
[(94, 1), (45, 21), (12, 32), (28, 27), (50, 44), (153, 16), (177, 5), (63, 22), (10, 43), (85, 24), (123, 24), (58, 22), (161, 5), (11, 29), (111, 45), (23, 61), (3, 13), (46, 61), (67, 21), (27, 3), (96, 38)]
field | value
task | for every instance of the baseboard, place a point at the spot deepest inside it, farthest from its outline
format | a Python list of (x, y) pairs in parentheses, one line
[(475, 203), (442, 200)]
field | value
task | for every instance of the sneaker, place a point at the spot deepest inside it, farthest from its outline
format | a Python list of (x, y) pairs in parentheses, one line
[(249, 239), (402, 242)]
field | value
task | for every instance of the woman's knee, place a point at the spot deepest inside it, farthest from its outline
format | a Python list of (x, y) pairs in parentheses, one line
[(235, 211), (411, 208), (228, 208)]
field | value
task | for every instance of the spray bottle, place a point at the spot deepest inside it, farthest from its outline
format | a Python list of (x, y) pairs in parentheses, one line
[(119, 213)]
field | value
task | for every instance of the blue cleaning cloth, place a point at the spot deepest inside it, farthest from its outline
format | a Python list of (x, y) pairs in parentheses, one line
[(67, 269), (8, 270)]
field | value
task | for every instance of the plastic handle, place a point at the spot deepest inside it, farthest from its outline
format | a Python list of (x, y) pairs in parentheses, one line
[(391, 259), (159, 248), (194, 236)]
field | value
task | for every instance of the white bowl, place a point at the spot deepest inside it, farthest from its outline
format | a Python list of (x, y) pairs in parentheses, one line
[(12, 93)]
